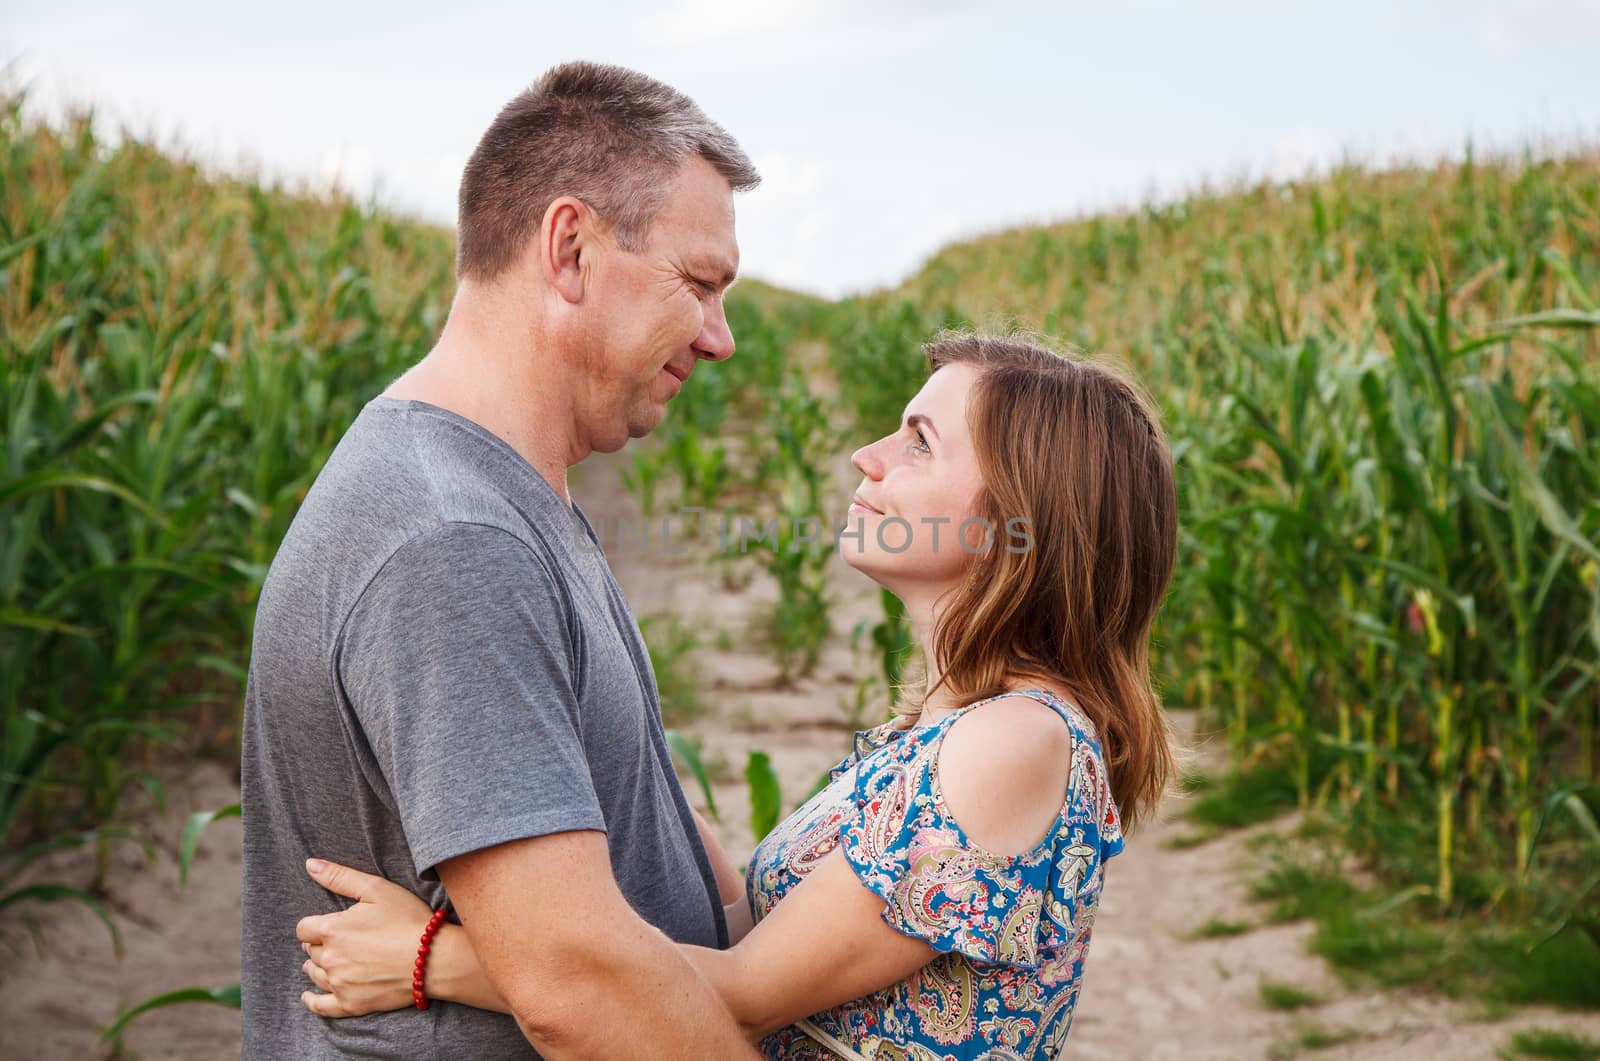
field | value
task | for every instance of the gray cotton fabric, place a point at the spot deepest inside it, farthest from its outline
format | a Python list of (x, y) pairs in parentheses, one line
[(442, 662)]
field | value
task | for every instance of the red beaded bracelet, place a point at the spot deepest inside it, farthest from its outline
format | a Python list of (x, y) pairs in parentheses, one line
[(417, 995)]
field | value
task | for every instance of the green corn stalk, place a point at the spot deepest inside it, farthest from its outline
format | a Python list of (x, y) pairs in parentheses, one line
[(891, 637)]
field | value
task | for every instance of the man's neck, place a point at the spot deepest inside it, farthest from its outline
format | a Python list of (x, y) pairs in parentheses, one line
[(475, 373)]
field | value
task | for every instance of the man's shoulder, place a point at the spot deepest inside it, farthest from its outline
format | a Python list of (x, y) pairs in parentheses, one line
[(397, 476), (465, 550), (338, 548)]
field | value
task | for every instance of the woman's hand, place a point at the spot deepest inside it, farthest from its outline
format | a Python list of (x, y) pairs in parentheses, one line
[(361, 957)]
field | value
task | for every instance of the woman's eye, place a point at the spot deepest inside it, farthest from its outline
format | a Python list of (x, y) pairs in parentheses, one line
[(922, 444)]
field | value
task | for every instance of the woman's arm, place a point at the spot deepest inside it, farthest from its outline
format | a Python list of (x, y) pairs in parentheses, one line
[(362, 956), (1004, 773), (355, 955), (826, 943), (730, 882), (741, 919)]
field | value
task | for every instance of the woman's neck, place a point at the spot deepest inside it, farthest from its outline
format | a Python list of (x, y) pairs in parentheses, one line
[(942, 702)]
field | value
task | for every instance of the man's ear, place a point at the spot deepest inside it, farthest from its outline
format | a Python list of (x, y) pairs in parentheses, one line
[(563, 242)]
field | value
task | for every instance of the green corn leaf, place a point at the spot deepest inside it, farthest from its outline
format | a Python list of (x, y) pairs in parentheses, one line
[(40, 481), (51, 892), (29, 621), (765, 798), (684, 751), (221, 996), (191, 837)]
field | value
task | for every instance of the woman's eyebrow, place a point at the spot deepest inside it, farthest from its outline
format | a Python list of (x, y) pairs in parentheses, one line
[(917, 418)]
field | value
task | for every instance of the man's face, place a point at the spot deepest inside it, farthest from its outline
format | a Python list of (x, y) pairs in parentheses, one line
[(658, 311)]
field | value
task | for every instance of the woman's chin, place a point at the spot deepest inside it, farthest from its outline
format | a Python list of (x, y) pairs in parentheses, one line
[(859, 561), (864, 563)]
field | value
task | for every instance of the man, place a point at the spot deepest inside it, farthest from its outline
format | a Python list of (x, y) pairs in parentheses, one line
[(446, 686)]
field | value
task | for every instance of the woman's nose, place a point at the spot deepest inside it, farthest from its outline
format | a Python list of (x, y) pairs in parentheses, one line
[(865, 460)]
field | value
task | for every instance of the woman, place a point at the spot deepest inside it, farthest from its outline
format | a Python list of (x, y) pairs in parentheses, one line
[(936, 898)]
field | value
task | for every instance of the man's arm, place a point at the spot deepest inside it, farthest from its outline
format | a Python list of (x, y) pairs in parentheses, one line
[(584, 975)]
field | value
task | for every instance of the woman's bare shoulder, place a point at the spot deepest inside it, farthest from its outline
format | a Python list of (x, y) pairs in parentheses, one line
[(1003, 770)]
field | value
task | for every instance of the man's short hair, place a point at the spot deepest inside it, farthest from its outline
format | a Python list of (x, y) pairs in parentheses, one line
[(607, 135)]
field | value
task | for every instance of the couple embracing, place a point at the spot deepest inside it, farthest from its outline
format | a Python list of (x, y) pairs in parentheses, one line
[(463, 836)]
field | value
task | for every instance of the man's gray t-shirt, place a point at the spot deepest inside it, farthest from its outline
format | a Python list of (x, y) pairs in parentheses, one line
[(443, 662)]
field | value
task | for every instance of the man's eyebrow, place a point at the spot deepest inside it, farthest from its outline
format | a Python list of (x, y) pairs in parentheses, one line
[(913, 419), (725, 274)]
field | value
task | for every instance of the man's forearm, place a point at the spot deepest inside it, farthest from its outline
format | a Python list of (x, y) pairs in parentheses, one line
[(584, 975), (647, 1000), (455, 974)]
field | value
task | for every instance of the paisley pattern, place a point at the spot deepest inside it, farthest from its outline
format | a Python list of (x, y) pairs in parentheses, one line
[(1012, 931)]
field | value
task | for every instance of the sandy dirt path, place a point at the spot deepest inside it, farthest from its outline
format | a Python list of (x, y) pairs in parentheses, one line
[(1149, 992)]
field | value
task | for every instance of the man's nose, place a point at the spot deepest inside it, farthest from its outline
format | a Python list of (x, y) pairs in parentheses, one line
[(715, 341)]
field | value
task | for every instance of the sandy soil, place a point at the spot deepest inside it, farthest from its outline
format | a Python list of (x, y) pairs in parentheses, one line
[(1149, 992)]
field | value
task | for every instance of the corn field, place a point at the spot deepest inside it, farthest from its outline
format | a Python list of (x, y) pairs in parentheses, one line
[(1382, 389), (179, 358), (1383, 392)]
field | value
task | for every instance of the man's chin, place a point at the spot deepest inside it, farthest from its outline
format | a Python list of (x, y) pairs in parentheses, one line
[(611, 440), (639, 427)]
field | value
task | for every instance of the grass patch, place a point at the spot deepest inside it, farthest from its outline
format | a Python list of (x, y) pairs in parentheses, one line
[(1286, 996), (1463, 958), (1563, 972), (1185, 841), (1389, 950), (1299, 891), (1390, 940), (1240, 798), (1313, 1037), (1545, 1042), (1490, 1013), (1316, 1037), (1317, 827), (1219, 929)]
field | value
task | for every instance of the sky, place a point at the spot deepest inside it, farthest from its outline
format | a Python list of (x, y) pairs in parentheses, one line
[(884, 130)]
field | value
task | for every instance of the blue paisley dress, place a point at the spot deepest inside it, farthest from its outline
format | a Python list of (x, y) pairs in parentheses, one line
[(1011, 931)]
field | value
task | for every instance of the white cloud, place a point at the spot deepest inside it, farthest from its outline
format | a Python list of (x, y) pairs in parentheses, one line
[(1495, 35), (762, 34), (1301, 153), (884, 129), (783, 222), (703, 21), (350, 169), (1531, 23)]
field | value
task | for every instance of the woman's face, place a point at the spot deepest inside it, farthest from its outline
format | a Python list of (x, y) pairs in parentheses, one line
[(919, 484)]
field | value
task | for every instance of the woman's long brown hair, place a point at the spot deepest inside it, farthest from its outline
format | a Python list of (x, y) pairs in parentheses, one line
[(1073, 447)]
